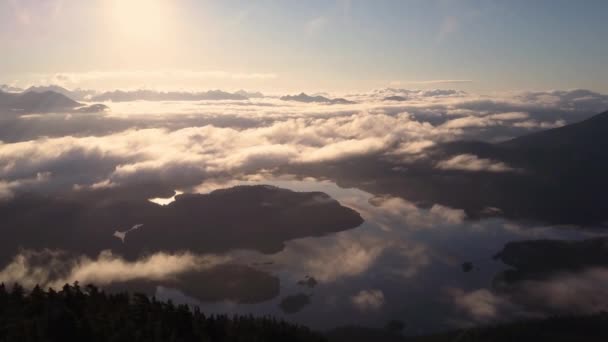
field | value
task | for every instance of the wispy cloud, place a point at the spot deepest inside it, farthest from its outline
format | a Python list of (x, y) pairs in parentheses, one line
[(449, 25), (31, 12), (315, 25), (469, 162), (368, 300), (430, 82), (76, 79)]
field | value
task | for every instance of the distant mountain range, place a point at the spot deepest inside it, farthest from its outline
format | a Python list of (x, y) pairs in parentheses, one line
[(395, 98), (250, 95), (33, 102), (134, 95), (302, 97), (151, 95), (76, 94), (42, 102)]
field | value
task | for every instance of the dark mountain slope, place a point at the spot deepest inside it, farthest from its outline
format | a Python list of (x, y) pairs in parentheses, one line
[(579, 135), (555, 176), (34, 102), (562, 172)]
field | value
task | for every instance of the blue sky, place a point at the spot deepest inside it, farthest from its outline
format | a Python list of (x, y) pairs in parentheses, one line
[(306, 45)]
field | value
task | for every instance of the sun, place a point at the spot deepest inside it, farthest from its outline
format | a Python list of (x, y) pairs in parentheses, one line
[(140, 20), (141, 32)]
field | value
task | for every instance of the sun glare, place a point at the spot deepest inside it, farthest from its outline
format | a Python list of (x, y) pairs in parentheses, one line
[(141, 20), (142, 31)]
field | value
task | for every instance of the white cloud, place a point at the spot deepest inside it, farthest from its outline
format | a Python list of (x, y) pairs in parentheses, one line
[(315, 25), (394, 211), (77, 79), (368, 300), (331, 260), (431, 82), (542, 125), (469, 121), (509, 116), (188, 142), (32, 13), (470, 162), (481, 305), (414, 147), (56, 269), (449, 25), (7, 188), (568, 292)]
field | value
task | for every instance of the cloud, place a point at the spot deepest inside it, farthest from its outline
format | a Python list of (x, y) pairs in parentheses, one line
[(315, 25), (184, 143), (431, 82), (27, 12), (414, 147), (485, 121), (146, 76), (352, 254), (7, 188), (566, 293), (395, 211), (470, 162), (196, 152), (368, 300), (49, 268), (509, 116), (469, 121), (345, 149), (542, 125), (455, 19), (449, 25), (345, 257), (480, 305)]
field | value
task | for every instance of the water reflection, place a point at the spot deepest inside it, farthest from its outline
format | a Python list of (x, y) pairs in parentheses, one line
[(403, 263), (428, 266)]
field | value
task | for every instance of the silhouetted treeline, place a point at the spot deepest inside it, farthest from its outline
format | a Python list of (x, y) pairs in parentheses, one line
[(588, 328), (89, 314)]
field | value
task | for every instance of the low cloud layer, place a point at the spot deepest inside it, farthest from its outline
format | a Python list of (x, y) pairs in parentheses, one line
[(193, 141), (470, 162), (368, 300), (55, 268), (566, 293)]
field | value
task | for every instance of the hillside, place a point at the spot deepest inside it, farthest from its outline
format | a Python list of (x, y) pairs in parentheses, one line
[(89, 314), (34, 102)]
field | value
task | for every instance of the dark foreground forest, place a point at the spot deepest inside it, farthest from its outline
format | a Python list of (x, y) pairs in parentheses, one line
[(89, 314)]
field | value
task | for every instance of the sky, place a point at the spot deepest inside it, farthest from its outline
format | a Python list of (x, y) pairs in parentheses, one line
[(289, 46)]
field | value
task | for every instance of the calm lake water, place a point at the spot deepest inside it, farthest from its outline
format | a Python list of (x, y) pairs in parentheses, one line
[(403, 263)]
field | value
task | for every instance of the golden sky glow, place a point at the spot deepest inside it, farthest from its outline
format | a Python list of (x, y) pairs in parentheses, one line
[(306, 45)]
